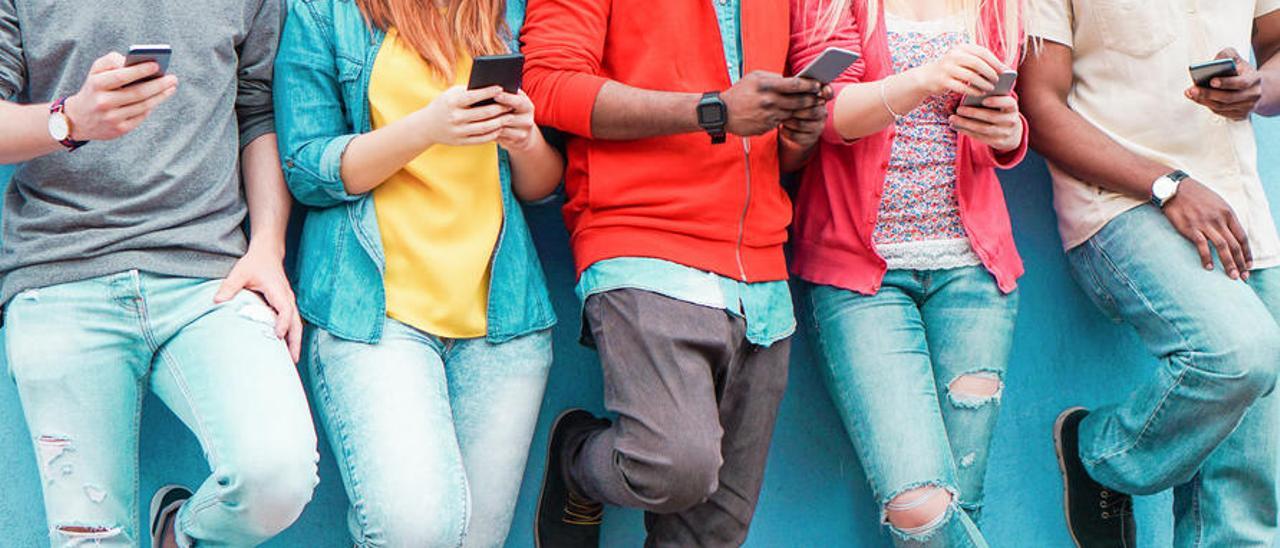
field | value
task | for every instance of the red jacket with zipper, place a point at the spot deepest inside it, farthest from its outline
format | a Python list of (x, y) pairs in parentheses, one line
[(839, 198), (718, 208)]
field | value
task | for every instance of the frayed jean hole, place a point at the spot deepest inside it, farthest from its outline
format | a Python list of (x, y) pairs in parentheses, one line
[(259, 313), (87, 532), (920, 510), (54, 453), (970, 389), (968, 460)]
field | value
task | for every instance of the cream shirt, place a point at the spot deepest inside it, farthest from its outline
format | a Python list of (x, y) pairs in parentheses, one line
[(1131, 59)]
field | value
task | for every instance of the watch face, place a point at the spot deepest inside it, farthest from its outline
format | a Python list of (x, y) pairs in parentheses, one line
[(710, 114), (1163, 188), (59, 129)]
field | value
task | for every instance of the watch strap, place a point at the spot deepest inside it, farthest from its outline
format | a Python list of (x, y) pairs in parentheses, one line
[(60, 107)]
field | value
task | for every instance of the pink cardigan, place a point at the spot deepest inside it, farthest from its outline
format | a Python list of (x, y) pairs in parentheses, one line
[(839, 195)]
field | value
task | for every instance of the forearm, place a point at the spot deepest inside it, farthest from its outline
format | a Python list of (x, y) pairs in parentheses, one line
[(1269, 104), (537, 170), (374, 157), (623, 112), (1082, 150), (861, 110), (266, 195), (793, 156), (25, 133)]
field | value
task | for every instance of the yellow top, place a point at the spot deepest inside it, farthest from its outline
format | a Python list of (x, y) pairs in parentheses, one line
[(440, 215)]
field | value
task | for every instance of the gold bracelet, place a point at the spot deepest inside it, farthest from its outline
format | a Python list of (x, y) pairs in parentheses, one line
[(884, 98)]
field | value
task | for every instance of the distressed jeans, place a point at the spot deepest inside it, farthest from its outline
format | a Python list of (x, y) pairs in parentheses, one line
[(431, 434), (85, 354), (1204, 423), (890, 361)]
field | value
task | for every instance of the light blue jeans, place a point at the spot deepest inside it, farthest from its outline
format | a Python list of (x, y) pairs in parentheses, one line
[(84, 354), (1204, 424), (431, 434), (889, 361)]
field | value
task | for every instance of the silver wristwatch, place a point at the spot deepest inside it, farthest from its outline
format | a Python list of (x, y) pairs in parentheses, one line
[(1166, 187)]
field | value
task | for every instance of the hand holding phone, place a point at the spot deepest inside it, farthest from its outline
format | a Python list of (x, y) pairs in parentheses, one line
[(1004, 86), (115, 99), (1229, 85), (149, 53)]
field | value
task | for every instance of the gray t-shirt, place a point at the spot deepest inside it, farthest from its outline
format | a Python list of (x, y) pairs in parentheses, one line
[(166, 198)]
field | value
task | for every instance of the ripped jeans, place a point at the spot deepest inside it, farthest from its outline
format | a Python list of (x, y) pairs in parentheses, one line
[(84, 355), (916, 372)]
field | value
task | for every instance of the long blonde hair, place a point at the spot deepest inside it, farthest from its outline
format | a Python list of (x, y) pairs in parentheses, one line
[(1010, 21), (442, 36)]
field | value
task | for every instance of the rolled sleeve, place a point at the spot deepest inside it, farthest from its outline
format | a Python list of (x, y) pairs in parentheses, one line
[(12, 67), (563, 43), (314, 129), (1052, 20), (254, 104), (1265, 7)]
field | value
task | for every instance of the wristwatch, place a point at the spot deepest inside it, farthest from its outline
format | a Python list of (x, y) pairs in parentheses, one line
[(60, 125), (713, 115), (1166, 187)]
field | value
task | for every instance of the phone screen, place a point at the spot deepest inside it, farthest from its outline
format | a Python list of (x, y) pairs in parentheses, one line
[(157, 53), (1004, 86), (829, 65), (497, 70)]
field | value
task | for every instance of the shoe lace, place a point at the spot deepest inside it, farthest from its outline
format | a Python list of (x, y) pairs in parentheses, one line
[(580, 511), (1115, 505)]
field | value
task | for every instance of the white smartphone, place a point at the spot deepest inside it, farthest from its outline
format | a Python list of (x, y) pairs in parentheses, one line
[(1004, 86), (149, 53), (829, 66)]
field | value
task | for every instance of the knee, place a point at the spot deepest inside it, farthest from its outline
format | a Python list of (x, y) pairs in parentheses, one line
[(1251, 357), (975, 389), (684, 474), (916, 514), (408, 525), (270, 490)]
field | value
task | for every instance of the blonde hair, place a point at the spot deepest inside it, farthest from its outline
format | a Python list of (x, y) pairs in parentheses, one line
[(1010, 21), (442, 36)]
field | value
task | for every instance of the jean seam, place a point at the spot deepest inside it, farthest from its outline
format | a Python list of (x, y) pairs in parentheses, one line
[(340, 425), (1128, 283)]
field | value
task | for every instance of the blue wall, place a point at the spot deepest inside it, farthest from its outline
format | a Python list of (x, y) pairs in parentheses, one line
[(1066, 353)]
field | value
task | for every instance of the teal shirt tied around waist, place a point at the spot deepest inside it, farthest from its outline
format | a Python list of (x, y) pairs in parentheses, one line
[(766, 306), (326, 56)]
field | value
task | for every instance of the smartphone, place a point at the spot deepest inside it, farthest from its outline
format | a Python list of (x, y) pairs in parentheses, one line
[(1203, 73), (149, 53), (829, 66), (1004, 86), (497, 70)]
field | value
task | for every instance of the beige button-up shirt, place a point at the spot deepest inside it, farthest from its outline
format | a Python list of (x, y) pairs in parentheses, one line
[(1131, 59)]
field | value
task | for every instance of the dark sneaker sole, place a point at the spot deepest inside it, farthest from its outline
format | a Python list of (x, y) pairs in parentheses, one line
[(537, 514), (1062, 470)]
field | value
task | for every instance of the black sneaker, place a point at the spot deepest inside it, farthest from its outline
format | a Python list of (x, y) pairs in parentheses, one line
[(1097, 517), (164, 510), (566, 519)]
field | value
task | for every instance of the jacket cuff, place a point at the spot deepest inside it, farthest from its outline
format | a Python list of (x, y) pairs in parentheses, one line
[(331, 164), (829, 133), (576, 102)]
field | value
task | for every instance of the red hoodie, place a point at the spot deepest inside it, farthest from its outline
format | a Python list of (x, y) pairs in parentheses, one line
[(718, 208), (839, 198)]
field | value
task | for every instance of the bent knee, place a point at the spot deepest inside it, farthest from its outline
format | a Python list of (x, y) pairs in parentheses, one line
[(1251, 357), (916, 513), (678, 480), (413, 527), (271, 491)]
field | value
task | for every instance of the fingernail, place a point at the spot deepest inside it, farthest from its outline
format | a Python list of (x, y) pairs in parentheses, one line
[(1208, 266)]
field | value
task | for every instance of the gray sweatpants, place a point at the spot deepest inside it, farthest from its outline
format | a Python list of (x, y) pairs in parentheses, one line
[(696, 405)]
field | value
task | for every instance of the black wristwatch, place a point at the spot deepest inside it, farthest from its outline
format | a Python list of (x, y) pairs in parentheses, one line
[(713, 115)]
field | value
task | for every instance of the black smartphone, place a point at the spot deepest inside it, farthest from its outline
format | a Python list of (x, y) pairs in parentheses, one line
[(497, 70), (149, 53), (829, 65), (1004, 86), (1203, 73)]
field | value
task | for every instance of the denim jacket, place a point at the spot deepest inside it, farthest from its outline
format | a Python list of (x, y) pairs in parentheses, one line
[(322, 103)]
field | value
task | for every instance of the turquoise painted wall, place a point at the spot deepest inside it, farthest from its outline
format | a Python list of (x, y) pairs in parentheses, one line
[(814, 494)]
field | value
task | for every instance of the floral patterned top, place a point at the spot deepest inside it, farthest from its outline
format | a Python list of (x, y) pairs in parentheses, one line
[(919, 226)]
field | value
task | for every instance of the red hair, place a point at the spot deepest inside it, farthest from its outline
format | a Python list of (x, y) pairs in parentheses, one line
[(464, 28)]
